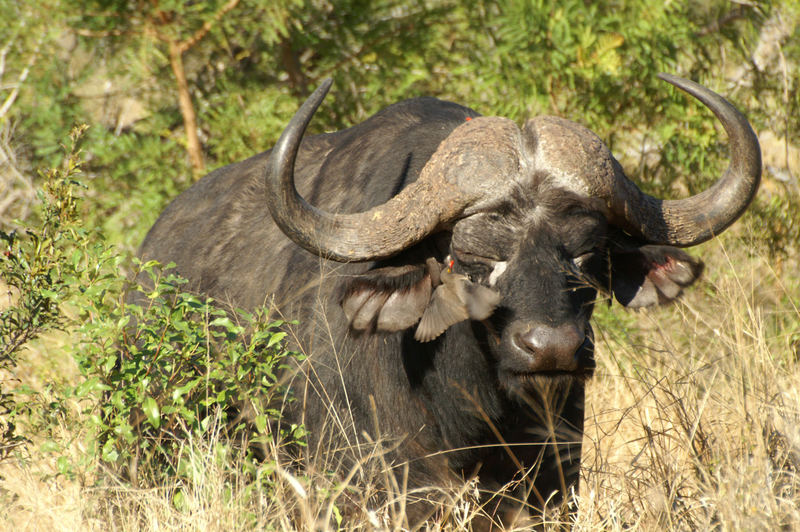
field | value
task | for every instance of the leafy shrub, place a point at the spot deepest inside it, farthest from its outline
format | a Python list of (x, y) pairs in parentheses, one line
[(175, 366), (38, 265), (40, 268), (151, 375)]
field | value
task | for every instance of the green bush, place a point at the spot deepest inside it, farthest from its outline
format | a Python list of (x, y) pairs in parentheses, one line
[(175, 367), (151, 375), (41, 266)]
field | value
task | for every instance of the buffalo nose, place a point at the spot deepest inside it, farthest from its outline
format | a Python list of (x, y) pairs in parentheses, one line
[(552, 348)]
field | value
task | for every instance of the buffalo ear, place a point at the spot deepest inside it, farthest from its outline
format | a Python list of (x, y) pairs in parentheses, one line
[(651, 275), (387, 299)]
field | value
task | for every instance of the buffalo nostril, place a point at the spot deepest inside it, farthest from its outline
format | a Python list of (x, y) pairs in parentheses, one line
[(552, 348)]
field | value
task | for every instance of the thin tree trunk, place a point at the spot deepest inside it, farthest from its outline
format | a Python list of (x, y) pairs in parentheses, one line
[(297, 80), (187, 109)]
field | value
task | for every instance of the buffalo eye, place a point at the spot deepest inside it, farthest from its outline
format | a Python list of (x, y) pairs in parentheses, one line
[(477, 268), (470, 258)]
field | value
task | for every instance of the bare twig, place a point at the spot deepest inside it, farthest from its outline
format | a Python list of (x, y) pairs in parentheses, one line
[(21, 78), (176, 51), (187, 109), (102, 34), (3, 54)]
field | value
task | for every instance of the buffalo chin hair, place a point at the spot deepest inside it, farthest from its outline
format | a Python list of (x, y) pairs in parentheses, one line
[(536, 389)]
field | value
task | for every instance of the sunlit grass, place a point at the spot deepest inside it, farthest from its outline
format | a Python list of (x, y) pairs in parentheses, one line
[(692, 419)]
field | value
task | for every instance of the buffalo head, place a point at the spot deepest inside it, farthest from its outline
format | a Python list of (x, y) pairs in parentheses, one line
[(529, 223)]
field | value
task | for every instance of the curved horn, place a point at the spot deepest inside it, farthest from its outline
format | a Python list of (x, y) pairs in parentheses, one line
[(693, 220), (383, 231)]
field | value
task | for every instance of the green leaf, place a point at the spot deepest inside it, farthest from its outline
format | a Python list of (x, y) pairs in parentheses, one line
[(49, 446), (63, 465), (261, 423), (90, 386), (109, 453), (151, 411), (276, 337)]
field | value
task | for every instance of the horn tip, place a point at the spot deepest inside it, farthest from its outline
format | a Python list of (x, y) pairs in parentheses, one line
[(684, 84), (325, 86)]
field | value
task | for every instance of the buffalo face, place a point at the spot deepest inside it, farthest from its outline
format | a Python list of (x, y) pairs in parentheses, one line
[(521, 228), (549, 257), (526, 274)]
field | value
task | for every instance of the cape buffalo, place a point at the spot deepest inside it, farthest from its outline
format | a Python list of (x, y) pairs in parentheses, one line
[(443, 268)]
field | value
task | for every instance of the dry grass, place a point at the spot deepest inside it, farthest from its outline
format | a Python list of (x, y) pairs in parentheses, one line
[(692, 423), (693, 419)]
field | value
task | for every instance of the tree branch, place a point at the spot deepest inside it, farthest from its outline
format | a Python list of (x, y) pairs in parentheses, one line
[(187, 109), (206, 27), (290, 62)]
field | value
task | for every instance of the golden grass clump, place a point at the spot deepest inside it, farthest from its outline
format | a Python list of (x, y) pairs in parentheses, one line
[(692, 419)]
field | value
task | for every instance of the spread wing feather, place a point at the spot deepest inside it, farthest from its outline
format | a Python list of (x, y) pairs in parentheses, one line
[(444, 310)]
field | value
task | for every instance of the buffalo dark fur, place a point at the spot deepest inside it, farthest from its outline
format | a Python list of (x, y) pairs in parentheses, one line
[(496, 393)]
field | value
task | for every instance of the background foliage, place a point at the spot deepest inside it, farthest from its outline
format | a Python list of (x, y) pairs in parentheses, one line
[(108, 63), (171, 89)]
